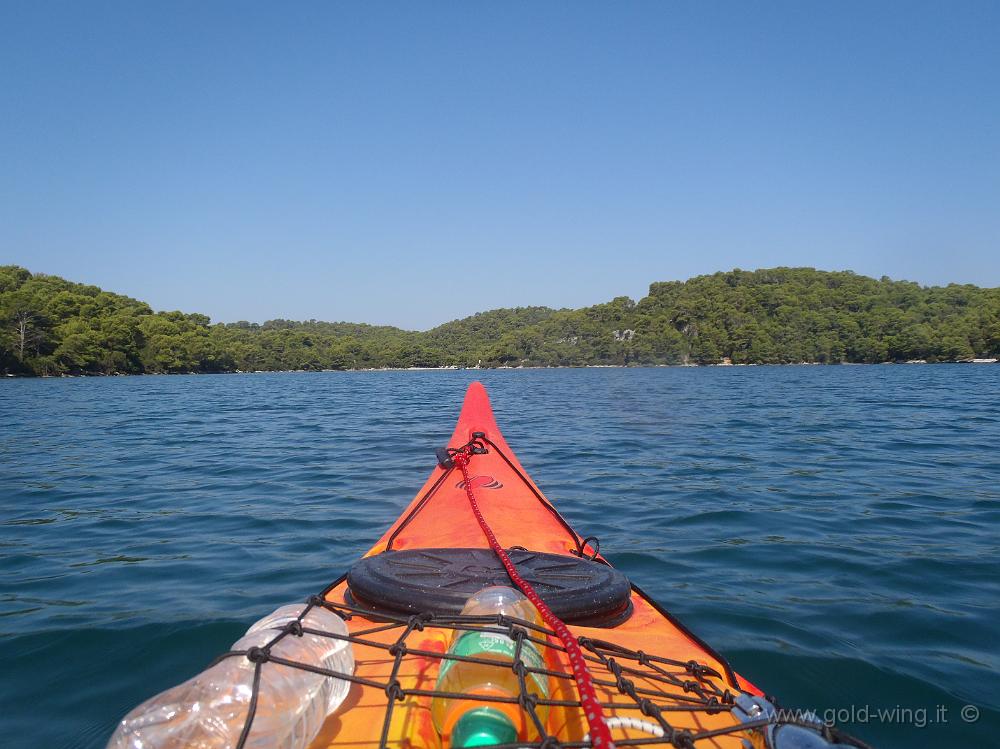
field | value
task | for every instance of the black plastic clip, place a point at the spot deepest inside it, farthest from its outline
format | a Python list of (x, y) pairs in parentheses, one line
[(444, 458)]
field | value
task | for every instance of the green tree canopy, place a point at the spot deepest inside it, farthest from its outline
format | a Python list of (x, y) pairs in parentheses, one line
[(778, 315)]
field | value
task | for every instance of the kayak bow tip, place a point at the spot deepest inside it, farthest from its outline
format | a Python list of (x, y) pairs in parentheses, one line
[(476, 416)]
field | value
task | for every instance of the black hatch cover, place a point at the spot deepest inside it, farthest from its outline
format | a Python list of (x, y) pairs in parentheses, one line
[(439, 581)]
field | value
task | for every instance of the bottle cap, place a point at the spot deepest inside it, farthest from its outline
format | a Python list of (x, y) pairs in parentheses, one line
[(483, 726)]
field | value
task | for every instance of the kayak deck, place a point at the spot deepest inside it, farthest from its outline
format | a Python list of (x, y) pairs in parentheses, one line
[(647, 667), (400, 656)]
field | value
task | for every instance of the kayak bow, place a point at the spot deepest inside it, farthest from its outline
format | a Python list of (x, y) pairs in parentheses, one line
[(424, 643), (436, 553)]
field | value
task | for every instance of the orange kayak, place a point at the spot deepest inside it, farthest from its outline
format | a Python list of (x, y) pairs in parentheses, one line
[(402, 602)]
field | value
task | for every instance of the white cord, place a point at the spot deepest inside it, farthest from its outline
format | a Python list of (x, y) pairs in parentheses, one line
[(639, 725)]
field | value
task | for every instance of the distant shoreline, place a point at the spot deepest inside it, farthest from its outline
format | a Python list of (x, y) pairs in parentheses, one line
[(489, 369), (52, 327)]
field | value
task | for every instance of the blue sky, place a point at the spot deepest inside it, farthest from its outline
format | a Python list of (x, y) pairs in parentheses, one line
[(412, 163)]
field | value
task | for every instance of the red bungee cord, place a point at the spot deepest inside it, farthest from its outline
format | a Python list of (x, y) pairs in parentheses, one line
[(599, 732)]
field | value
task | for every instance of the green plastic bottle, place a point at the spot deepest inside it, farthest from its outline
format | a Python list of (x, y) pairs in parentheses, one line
[(483, 726), (464, 722)]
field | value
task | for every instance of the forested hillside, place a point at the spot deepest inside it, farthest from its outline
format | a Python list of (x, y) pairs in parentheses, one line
[(51, 326)]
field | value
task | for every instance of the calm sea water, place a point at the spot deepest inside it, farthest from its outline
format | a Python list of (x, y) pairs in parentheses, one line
[(833, 530)]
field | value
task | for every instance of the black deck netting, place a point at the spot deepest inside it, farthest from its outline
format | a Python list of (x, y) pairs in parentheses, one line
[(648, 699)]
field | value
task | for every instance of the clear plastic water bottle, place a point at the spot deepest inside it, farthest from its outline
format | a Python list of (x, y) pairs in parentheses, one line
[(210, 710), (469, 723)]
